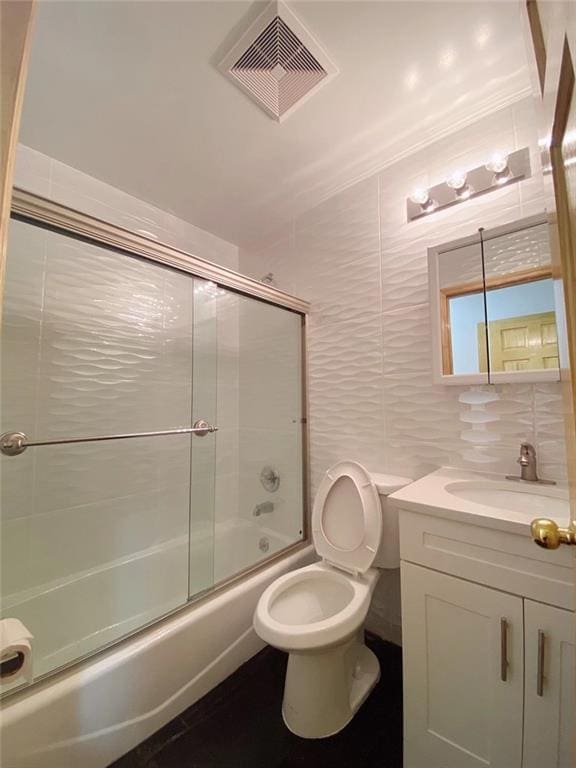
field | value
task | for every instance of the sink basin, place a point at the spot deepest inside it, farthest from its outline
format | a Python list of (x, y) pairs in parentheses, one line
[(485, 499), (532, 501)]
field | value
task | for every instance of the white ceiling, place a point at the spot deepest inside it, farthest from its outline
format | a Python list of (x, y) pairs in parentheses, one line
[(129, 93)]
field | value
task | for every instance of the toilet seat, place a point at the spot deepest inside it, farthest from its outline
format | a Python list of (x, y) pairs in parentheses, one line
[(290, 614), (347, 518)]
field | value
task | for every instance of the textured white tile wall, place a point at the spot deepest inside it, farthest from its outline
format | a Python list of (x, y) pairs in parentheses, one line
[(269, 415), (364, 268), (527, 249), (43, 175)]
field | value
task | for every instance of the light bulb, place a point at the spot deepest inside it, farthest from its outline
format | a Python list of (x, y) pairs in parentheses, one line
[(420, 196), (456, 180), (497, 163)]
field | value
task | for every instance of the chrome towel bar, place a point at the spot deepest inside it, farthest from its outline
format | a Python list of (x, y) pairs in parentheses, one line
[(15, 443)]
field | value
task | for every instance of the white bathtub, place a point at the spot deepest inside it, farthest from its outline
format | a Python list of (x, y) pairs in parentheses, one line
[(96, 711), (241, 543), (74, 616)]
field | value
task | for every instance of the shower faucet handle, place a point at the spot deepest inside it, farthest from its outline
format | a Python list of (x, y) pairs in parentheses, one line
[(270, 478)]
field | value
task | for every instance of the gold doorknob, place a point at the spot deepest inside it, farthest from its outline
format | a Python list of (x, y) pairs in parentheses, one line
[(547, 534)]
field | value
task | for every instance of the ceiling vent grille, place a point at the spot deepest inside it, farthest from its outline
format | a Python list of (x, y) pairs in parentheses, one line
[(277, 62)]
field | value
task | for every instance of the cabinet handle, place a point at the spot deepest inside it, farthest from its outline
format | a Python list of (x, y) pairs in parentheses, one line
[(540, 671), (503, 650)]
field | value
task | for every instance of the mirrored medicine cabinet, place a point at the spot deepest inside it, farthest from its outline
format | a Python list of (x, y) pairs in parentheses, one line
[(496, 307)]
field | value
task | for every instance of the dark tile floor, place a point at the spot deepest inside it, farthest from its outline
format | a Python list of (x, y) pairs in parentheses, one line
[(239, 725)]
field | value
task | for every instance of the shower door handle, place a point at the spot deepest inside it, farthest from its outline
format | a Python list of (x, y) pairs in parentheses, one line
[(201, 428)]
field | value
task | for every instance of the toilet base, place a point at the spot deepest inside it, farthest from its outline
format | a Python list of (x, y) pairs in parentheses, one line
[(325, 688)]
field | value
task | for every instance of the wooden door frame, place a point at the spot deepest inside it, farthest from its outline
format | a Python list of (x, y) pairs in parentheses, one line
[(554, 91), (566, 233), (16, 21)]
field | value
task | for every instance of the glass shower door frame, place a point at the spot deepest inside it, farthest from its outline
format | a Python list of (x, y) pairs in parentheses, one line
[(39, 211), (31, 207)]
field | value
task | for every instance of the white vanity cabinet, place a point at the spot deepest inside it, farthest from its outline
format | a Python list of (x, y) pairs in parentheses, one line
[(488, 665), (549, 697), (458, 711)]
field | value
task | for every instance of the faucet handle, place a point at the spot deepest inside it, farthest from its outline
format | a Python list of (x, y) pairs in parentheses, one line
[(527, 454), (529, 471)]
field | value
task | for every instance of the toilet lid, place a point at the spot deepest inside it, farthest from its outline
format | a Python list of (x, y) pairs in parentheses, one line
[(347, 518)]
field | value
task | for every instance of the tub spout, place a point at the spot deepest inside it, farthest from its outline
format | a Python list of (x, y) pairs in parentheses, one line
[(263, 509)]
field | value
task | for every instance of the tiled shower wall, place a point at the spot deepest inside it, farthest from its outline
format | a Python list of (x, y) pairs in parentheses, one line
[(45, 176), (38, 173), (364, 269)]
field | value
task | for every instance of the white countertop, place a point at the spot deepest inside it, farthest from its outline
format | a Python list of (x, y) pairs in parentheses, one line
[(430, 496)]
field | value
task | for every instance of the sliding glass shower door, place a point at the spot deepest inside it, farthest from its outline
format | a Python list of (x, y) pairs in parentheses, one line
[(95, 535), (101, 537), (259, 480)]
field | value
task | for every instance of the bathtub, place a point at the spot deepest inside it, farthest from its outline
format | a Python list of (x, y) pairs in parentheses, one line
[(139, 588), (92, 713)]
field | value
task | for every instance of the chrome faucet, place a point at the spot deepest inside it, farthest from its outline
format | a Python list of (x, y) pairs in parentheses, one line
[(528, 463), (263, 509), (528, 466)]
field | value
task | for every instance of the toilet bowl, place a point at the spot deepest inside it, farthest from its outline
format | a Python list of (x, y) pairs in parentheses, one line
[(317, 613)]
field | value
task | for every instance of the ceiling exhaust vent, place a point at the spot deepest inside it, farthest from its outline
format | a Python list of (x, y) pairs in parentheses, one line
[(277, 62)]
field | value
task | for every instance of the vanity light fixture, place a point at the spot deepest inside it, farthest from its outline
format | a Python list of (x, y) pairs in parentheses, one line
[(464, 193), (421, 197), (498, 165), (457, 182), (500, 169), (502, 177)]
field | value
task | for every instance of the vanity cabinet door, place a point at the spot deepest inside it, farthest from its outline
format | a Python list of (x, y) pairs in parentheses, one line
[(463, 703), (549, 685)]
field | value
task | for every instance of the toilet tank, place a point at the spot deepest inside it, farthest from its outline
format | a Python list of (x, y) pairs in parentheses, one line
[(388, 555)]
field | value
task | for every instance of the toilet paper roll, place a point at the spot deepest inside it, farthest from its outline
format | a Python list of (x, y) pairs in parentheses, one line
[(15, 651)]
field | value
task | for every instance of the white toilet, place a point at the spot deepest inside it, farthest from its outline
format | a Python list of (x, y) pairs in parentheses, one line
[(317, 613)]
